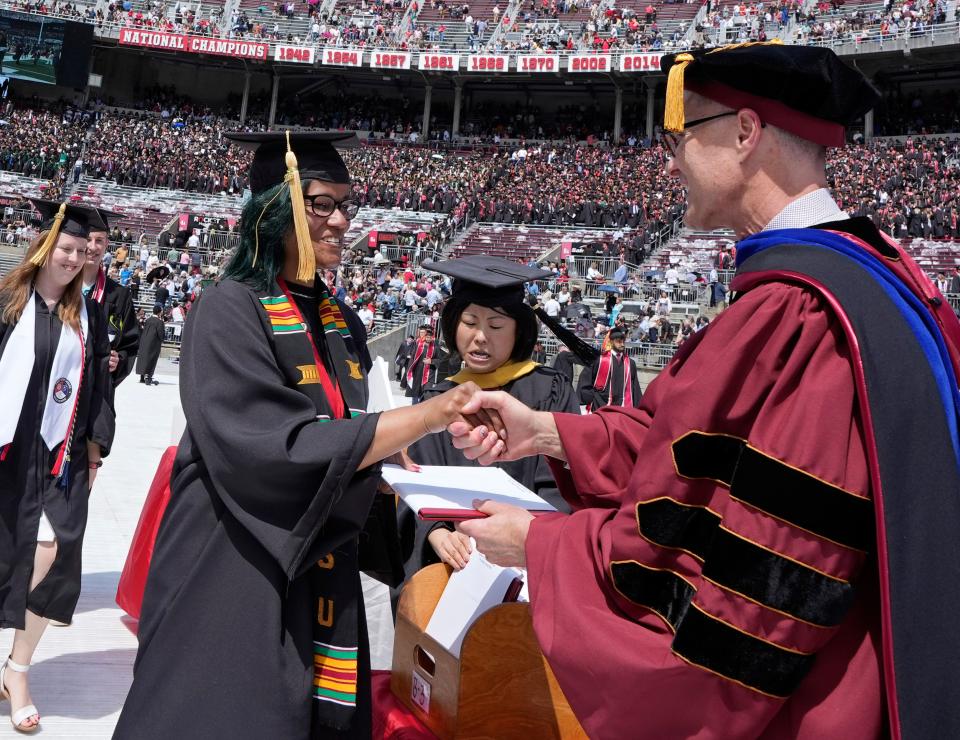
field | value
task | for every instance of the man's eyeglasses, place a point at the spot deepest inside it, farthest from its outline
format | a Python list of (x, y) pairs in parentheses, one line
[(672, 139), (324, 206)]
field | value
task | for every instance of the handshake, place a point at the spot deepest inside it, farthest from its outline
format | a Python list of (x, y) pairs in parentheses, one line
[(491, 427)]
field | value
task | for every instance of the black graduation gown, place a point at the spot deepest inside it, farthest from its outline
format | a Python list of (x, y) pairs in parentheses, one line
[(122, 327), (563, 363), (260, 492), (590, 396), (543, 390), (151, 342), (27, 487)]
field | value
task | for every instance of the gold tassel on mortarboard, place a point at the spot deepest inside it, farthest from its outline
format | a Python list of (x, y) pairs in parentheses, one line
[(307, 267), (673, 114), (40, 258)]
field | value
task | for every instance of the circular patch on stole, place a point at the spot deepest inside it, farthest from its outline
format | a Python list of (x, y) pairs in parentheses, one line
[(62, 390)]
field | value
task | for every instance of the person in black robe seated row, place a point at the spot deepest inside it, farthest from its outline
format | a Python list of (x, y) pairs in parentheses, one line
[(493, 332), (252, 624)]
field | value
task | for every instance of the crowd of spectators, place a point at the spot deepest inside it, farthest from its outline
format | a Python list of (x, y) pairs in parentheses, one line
[(909, 191), (830, 23)]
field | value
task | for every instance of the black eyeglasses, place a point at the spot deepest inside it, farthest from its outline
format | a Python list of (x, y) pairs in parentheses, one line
[(673, 139), (323, 206)]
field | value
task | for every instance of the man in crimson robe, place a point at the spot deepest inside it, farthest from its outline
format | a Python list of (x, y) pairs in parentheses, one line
[(767, 546)]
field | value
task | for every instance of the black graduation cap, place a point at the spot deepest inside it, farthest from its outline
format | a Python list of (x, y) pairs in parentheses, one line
[(616, 333), (316, 152), (805, 90), (76, 220), (60, 218), (100, 219), (491, 281)]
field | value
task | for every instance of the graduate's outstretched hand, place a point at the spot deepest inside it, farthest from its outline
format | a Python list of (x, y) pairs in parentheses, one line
[(502, 536), (523, 429), (447, 408)]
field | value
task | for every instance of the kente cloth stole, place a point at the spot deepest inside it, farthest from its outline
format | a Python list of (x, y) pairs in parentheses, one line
[(603, 378), (422, 347), (337, 394)]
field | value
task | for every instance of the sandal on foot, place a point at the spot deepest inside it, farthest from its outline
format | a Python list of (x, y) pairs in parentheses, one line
[(21, 715)]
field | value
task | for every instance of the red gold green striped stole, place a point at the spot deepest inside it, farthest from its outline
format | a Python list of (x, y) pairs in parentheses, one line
[(283, 318), (335, 674), (331, 318)]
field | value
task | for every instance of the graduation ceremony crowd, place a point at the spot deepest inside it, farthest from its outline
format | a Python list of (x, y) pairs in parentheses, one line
[(754, 543)]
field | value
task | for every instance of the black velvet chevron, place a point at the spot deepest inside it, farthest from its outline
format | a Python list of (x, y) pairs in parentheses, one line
[(774, 487)]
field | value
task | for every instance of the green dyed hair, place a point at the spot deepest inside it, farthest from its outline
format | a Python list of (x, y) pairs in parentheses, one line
[(271, 214)]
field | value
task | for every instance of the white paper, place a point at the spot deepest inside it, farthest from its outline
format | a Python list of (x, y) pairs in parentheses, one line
[(470, 592), (452, 487), (380, 391)]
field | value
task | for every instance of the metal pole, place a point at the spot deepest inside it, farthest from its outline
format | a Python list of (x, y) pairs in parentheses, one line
[(273, 100), (425, 130), (246, 98), (868, 126), (651, 94), (617, 114), (457, 104)]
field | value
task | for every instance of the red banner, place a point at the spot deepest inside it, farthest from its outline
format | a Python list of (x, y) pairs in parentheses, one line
[(297, 54), (194, 44), (390, 59), (640, 62), (431, 61), (538, 63), (589, 63), (342, 57), (152, 39), (228, 47), (488, 63)]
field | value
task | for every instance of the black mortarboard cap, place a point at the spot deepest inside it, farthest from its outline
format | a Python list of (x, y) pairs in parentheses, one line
[(316, 151), (100, 219), (490, 281), (616, 333), (805, 90), (59, 218), (77, 220)]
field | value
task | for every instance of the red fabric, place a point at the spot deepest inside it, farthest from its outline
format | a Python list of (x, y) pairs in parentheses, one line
[(392, 720), (774, 370), (133, 579), (817, 130)]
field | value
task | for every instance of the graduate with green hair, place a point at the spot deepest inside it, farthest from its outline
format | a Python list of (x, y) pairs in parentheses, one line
[(252, 622)]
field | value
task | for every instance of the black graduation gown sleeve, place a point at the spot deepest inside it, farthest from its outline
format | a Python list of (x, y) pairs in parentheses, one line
[(280, 472), (543, 390), (122, 323), (101, 424), (587, 394)]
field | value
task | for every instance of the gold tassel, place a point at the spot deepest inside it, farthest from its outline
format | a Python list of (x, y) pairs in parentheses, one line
[(673, 114), (307, 267), (40, 258)]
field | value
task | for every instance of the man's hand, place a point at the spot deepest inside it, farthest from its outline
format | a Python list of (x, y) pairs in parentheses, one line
[(502, 536), (526, 432), (443, 410), (114, 360), (453, 548)]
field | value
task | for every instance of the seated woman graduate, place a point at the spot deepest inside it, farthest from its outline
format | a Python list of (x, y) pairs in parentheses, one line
[(487, 323), (56, 422), (252, 623)]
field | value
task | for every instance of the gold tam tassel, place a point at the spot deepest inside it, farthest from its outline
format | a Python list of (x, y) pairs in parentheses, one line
[(40, 258), (673, 114), (307, 267)]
